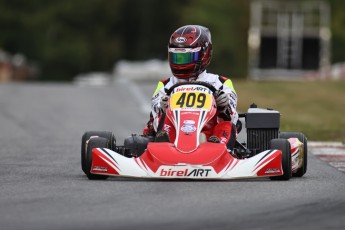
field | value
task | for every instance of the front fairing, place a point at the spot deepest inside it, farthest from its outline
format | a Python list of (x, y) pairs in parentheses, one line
[(190, 108)]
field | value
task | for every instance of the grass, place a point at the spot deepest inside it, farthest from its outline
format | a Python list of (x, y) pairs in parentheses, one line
[(315, 108)]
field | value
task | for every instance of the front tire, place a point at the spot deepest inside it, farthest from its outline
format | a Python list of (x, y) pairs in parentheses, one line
[(302, 138), (96, 142), (284, 146), (84, 143)]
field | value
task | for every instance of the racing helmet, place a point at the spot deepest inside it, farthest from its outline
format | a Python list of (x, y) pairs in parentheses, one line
[(190, 51)]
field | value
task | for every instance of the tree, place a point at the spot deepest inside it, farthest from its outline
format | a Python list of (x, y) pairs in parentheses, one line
[(228, 22), (69, 37)]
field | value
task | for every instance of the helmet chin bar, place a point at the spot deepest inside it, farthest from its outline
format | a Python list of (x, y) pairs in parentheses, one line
[(198, 71), (192, 77)]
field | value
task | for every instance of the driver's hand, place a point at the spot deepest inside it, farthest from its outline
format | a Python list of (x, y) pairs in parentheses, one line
[(222, 99), (164, 103)]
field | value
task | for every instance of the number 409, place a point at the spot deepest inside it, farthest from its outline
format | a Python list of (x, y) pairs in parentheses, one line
[(191, 100)]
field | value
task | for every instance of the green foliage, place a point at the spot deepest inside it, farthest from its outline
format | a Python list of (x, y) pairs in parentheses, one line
[(68, 37), (228, 22)]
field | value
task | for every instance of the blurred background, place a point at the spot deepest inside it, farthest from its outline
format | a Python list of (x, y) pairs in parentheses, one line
[(58, 39), (303, 41)]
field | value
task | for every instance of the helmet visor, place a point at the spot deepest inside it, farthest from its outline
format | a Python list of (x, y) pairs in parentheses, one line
[(181, 56)]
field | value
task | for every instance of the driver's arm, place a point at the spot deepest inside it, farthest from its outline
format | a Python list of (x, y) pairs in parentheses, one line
[(155, 103), (230, 110)]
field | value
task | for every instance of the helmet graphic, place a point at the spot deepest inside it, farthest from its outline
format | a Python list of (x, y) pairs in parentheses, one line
[(190, 51)]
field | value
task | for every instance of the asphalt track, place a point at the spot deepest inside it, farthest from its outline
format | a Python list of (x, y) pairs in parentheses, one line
[(42, 185)]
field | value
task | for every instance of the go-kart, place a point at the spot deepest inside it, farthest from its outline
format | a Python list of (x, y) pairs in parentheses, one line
[(263, 152)]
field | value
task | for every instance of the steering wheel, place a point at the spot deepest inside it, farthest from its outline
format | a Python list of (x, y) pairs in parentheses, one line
[(207, 85), (169, 91)]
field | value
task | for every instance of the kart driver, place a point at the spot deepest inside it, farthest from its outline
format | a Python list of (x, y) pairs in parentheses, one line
[(190, 52)]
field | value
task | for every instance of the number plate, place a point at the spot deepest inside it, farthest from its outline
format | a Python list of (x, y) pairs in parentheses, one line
[(190, 100)]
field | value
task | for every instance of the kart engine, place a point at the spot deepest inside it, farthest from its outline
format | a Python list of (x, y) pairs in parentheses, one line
[(262, 126)]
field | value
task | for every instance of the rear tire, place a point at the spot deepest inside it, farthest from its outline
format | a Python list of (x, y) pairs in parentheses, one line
[(302, 138), (84, 143), (284, 146), (95, 142)]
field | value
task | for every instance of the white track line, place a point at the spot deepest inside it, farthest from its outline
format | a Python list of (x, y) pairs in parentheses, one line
[(325, 144), (331, 152)]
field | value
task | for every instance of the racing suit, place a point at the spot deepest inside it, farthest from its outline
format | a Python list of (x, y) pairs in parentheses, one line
[(223, 123)]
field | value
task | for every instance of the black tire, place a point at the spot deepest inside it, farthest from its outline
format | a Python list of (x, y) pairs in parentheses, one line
[(302, 138), (84, 142), (94, 142), (284, 146)]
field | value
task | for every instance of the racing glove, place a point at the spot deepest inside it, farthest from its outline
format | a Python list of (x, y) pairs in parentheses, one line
[(222, 99), (225, 114), (149, 130), (163, 103)]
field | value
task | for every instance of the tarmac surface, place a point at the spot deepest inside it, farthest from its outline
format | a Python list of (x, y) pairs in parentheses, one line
[(42, 185)]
